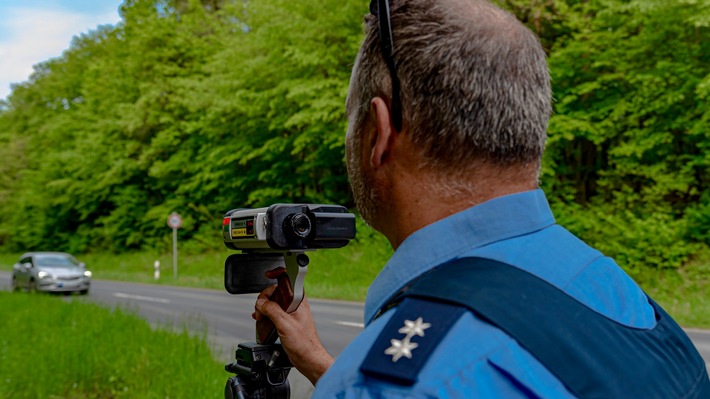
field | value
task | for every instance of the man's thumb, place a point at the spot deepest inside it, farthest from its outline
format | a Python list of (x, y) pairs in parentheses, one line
[(270, 309)]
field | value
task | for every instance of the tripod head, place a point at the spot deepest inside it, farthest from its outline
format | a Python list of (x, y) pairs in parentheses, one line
[(261, 372)]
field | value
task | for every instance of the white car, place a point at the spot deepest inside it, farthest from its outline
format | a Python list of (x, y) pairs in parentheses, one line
[(50, 272)]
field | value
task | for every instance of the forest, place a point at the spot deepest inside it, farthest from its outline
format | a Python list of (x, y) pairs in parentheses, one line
[(202, 106)]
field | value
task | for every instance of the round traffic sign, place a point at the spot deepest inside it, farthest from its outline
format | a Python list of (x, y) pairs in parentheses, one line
[(174, 221)]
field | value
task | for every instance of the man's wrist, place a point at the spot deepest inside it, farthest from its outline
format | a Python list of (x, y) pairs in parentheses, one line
[(318, 367)]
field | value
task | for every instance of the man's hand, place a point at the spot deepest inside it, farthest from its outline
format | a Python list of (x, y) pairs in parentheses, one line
[(297, 332)]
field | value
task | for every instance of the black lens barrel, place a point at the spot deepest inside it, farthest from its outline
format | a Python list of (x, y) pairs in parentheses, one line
[(300, 225)]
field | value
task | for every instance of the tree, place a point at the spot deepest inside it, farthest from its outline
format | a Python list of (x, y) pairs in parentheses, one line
[(630, 132)]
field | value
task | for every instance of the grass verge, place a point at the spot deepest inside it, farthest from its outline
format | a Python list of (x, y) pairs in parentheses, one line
[(683, 293), (343, 273), (50, 348), (346, 274)]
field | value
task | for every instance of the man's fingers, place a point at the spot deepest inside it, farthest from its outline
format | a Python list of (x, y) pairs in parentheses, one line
[(266, 294), (263, 297), (270, 309), (275, 273), (265, 306)]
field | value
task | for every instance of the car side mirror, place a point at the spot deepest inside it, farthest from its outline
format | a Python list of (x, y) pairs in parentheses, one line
[(82, 265), (27, 265)]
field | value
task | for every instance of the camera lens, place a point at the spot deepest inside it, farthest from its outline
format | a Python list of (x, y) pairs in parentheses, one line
[(300, 225)]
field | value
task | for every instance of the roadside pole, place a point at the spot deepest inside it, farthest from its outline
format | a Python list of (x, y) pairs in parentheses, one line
[(156, 266), (174, 222)]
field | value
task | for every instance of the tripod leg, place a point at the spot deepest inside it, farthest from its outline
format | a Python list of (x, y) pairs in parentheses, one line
[(235, 389)]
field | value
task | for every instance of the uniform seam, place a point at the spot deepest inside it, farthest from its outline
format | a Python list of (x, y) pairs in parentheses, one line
[(583, 269)]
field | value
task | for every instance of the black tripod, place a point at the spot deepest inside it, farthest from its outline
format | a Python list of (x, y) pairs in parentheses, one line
[(262, 367), (261, 372)]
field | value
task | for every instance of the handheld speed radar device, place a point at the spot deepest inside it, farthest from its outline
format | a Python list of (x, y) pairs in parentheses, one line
[(279, 236), (285, 227), (274, 238)]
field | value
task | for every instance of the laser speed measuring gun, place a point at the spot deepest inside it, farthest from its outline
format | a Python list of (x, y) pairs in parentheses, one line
[(272, 238), (278, 236), (288, 227)]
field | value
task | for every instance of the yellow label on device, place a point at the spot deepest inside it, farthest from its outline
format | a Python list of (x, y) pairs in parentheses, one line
[(239, 232)]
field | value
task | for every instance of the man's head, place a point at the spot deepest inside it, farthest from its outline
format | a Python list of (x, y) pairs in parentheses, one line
[(475, 92)]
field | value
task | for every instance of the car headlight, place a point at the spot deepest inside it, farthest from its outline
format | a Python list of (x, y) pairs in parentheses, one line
[(43, 274), (87, 274)]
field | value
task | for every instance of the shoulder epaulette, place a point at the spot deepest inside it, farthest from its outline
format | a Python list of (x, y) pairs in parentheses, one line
[(409, 338)]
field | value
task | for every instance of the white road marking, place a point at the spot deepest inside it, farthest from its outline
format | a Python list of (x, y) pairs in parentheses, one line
[(350, 324), (141, 297)]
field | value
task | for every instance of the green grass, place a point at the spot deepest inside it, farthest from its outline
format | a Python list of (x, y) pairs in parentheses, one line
[(347, 272), (50, 348), (343, 273), (7, 260), (683, 293)]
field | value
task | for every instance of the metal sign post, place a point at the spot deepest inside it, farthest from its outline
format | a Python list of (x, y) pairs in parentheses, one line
[(174, 222), (156, 266)]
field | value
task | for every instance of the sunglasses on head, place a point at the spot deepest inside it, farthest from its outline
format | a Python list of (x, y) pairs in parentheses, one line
[(381, 9)]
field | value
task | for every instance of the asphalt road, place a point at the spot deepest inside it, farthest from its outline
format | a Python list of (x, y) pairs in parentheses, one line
[(227, 318)]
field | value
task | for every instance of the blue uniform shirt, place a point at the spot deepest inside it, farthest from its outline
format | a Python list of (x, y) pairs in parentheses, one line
[(475, 359)]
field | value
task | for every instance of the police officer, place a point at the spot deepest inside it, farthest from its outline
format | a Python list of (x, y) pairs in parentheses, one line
[(447, 114)]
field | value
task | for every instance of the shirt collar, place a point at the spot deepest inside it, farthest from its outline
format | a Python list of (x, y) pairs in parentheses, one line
[(449, 238)]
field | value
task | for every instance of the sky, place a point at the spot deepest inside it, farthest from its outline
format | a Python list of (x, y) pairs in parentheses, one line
[(32, 31)]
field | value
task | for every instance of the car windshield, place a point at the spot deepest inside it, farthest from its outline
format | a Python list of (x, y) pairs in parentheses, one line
[(55, 260)]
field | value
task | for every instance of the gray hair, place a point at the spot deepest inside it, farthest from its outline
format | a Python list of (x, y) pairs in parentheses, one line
[(475, 82)]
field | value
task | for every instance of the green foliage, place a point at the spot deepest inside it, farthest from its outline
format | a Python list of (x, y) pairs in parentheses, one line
[(683, 293), (629, 140), (93, 352), (653, 240), (190, 106), (201, 106), (631, 123), (698, 218)]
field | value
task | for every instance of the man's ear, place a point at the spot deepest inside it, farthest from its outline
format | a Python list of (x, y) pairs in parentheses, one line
[(383, 136)]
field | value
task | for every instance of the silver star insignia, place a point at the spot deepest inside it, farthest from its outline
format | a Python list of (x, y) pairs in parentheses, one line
[(412, 328), (404, 347), (401, 348)]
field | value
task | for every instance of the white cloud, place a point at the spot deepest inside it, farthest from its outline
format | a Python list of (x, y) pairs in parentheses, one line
[(32, 35)]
